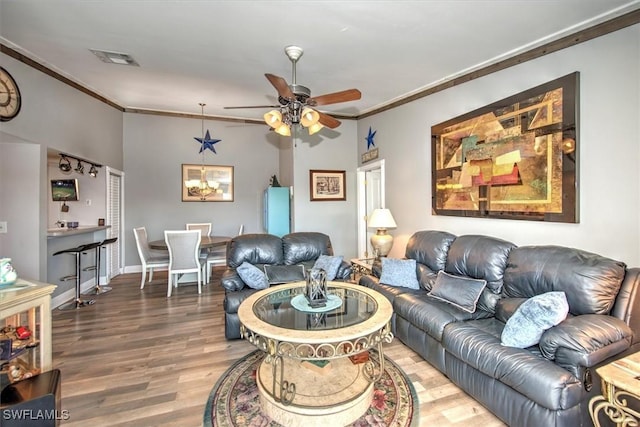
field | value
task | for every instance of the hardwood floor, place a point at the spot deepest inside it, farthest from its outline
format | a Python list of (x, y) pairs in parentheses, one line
[(138, 358)]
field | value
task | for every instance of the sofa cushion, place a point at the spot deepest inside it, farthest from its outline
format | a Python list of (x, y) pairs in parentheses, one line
[(426, 276), (480, 257), (252, 276), (277, 274), (506, 307), (591, 282), (461, 292), (533, 317), (477, 343), (330, 264), (430, 248), (254, 249), (399, 272), (305, 246), (430, 315)]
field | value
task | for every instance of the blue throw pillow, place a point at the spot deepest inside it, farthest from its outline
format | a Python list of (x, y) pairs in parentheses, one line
[(533, 317), (461, 292), (330, 264), (252, 276), (399, 272)]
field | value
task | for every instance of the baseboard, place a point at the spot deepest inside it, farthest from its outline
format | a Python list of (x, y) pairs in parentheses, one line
[(70, 294), (138, 269)]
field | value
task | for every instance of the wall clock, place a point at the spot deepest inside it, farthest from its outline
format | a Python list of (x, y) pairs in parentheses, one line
[(10, 100)]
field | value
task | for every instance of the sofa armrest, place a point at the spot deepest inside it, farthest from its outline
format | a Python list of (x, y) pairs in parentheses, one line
[(344, 271), (585, 340), (231, 281)]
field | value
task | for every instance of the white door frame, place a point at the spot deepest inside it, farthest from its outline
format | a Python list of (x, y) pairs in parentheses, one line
[(362, 209)]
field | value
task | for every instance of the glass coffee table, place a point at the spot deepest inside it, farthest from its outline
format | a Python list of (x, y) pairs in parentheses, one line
[(318, 368)]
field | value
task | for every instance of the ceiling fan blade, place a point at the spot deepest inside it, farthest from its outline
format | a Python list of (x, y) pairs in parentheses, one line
[(328, 121), (281, 86), (253, 106), (333, 98)]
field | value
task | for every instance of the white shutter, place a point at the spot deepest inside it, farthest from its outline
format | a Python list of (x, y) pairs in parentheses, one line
[(114, 219)]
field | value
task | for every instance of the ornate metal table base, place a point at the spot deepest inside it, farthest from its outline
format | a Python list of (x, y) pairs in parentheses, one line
[(615, 408)]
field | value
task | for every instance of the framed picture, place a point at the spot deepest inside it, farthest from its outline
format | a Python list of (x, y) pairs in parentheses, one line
[(327, 185), (516, 158), (207, 183)]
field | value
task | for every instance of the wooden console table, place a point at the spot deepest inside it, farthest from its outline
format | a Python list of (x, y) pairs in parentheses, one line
[(29, 302), (620, 382)]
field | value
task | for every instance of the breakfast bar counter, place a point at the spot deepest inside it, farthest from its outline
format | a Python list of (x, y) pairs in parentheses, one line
[(63, 231)]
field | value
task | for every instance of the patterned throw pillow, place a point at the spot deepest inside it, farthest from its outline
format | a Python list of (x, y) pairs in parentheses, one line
[(330, 264), (533, 317), (252, 276), (399, 272), (461, 292)]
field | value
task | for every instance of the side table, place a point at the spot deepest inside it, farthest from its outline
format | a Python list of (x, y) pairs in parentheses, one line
[(360, 267), (620, 382)]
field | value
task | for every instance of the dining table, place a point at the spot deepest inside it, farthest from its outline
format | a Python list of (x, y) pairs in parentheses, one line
[(206, 242)]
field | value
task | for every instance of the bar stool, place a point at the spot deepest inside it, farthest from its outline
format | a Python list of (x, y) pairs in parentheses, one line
[(102, 245), (77, 251)]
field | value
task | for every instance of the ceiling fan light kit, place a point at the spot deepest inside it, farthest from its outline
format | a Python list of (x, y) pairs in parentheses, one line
[(296, 102)]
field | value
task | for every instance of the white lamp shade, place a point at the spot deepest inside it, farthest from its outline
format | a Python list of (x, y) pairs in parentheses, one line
[(309, 117), (381, 218)]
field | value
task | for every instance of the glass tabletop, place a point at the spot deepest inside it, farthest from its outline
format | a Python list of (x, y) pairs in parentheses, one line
[(276, 309)]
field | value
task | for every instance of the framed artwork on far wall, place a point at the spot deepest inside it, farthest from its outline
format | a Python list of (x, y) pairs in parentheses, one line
[(219, 181), (327, 185)]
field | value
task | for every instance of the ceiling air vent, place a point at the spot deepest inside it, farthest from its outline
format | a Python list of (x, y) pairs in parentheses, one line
[(115, 57)]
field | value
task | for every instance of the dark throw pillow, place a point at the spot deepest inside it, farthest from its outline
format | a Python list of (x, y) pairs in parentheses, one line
[(461, 292), (330, 264), (533, 317), (277, 274), (252, 276), (399, 272)]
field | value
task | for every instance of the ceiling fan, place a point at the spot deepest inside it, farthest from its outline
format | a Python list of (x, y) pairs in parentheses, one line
[(297, 106)]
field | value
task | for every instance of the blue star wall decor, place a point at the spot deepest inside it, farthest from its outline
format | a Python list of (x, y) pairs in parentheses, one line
[(370, 137), (206, 143)]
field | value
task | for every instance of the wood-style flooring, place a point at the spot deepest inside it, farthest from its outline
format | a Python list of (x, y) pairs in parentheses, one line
[(138, 358)]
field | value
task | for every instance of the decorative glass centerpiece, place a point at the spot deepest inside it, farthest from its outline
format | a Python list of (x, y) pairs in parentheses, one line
[(316, 289)]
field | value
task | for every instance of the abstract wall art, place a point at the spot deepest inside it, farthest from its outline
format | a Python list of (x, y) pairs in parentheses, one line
[(514, 159)]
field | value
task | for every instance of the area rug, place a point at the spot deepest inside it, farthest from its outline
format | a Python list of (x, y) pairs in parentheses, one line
[(234, 400)]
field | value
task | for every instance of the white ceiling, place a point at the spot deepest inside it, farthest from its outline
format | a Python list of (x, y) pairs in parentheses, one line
[(217, 52)]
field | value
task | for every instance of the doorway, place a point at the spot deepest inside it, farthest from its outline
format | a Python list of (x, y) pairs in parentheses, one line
[(115, 209), (370, 193)]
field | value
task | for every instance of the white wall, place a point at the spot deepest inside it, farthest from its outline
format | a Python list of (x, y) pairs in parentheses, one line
[(609, 129), (155, 149), (53, 116), (333, 150), (20, 208)]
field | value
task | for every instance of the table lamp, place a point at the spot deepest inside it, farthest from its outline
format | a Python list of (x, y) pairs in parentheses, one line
[(381, 241)]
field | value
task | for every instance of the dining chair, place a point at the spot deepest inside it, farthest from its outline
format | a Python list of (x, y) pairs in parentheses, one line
[(184, 248), (205, 230), (218, 256), (150, 258), (204, 227)]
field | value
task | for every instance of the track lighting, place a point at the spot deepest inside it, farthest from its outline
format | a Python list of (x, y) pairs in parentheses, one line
[(65, 165), (80, 168)]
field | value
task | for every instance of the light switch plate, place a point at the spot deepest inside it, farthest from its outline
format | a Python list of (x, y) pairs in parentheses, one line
[(3, 227)]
